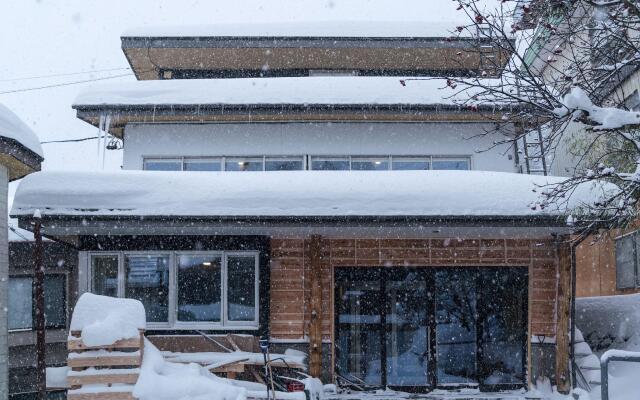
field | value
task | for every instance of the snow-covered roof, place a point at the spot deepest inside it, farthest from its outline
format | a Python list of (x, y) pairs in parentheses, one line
[(288, 194), (444, 23), (274, 91), (14, 128)]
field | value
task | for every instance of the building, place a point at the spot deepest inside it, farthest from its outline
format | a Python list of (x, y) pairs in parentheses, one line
[(20, 155), (60, 261), (606, 261), (319, 199)]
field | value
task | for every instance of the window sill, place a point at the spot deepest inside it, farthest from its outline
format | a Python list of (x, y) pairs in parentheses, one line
[(204, 327)]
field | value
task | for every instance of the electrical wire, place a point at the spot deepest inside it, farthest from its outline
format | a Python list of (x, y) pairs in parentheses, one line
[(64, 74), (71, 140), (64, 84)]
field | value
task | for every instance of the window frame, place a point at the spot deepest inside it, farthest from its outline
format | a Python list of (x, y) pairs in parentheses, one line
[(635, 237), (172, 318), (65, 293)]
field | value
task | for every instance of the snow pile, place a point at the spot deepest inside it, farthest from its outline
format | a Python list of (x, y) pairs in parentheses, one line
[(161, 380), (277, 91), (290, 193), (14, 128), (103, 320)]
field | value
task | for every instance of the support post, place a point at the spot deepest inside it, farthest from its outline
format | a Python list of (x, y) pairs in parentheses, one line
[(38, 294), (315, 325), (563, 344)]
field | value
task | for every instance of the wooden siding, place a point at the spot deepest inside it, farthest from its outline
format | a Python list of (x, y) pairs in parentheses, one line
[(290, 273), (596, 265)]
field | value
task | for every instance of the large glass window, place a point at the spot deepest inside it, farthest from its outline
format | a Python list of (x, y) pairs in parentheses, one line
[(330, 163), (369, 163), (104, 275), (243, 164), (21, 306), (179, 289), (450, 164), (199, 288), (163, 164), (241, 288), (283, 164), (147, 279), (410, 163), (202, 164)]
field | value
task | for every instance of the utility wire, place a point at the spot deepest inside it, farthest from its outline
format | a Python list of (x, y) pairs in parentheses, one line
[(71, 140), (63, 84), (64, 74)]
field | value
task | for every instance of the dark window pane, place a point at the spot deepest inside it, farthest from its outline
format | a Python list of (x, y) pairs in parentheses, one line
[(147, 280), (241, 282), (451, 164), (55, 295), (202, 165), (163, 165), (330, 164), (369, 164), (409, 164), (626, 262), (293, 164), (20, 308), (199, 288), (456, 327), (359, 329), (407, 347), (243, 164), (104, 275)]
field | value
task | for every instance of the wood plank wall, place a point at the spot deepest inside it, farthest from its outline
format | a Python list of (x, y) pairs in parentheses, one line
[(291, 273)]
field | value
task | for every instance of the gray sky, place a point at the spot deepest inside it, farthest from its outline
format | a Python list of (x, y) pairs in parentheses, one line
[(46, 37)]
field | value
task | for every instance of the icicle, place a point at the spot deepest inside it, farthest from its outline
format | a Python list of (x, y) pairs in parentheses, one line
[(100, 129), (107, 124)]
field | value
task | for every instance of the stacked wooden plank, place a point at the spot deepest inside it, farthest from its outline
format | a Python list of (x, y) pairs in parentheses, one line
[(103, 372)]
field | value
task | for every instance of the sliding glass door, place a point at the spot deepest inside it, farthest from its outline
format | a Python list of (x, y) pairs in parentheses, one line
[(415, 329)]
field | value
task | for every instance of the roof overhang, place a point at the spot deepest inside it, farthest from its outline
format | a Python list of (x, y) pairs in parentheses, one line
[(123, 114), (19, 160), (165, 57)]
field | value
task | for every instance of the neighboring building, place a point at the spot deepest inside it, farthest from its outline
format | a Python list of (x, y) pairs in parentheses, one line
[(322, 215), (607, 262), (20, 154), (60, 286)]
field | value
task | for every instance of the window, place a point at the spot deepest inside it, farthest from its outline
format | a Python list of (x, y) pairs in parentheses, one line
[(283, 164), (627, 268), (450, 164), (200, 289), (202, 164), (22, 308), (330, 163), (163, 164), (369, 164), (632, 103), (243, 164), (410, 163)]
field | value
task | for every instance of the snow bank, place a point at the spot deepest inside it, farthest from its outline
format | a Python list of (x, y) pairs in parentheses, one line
[(289, 193), (14, 128), (161, 380), (275, 91), (104, 320)]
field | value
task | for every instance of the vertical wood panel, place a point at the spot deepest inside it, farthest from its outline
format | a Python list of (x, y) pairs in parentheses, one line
[(563, 374), (315, 324)]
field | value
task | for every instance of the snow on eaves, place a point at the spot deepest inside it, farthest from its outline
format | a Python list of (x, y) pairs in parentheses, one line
[(274, 91), (14, 128), (288, 194)]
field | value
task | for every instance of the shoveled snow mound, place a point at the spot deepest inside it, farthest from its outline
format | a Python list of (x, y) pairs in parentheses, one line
[(14, 128), (290, 193), (104, 320), (161, 380)]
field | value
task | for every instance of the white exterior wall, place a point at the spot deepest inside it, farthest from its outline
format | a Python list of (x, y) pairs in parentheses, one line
[(282, 139), (4, 284)]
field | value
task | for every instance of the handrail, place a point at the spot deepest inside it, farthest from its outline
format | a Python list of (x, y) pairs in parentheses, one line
[(607, 357)]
